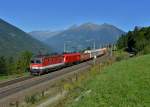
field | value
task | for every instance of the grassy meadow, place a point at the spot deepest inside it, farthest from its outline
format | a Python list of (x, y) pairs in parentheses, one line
[(123, 84)]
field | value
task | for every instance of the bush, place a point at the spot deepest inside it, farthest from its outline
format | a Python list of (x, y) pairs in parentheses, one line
[(146, 50), (31, 99), (119, 58)]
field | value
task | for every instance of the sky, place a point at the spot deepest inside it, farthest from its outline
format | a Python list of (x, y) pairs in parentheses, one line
[(31, 15)]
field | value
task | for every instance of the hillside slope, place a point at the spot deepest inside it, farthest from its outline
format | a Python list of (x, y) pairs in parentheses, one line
[(80, 35), (13, 40), (43, 35), (124, 84)]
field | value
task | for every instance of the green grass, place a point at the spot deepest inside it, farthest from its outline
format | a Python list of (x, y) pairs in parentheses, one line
[(124, 84), (10, 77)]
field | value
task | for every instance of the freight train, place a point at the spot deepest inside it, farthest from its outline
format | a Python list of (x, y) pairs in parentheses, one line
[(45, 64)]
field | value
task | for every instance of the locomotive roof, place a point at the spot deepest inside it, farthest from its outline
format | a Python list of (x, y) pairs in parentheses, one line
[(68, 54), (44, 56), (89, 51)]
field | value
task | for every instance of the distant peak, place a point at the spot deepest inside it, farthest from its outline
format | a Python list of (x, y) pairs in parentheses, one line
[(106, 24), (89, 24), (73, 26)]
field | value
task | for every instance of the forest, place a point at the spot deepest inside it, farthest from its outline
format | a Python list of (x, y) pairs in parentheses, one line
[(15, 65), (137, 41)]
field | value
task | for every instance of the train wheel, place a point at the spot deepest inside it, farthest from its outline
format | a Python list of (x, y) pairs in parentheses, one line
[(39, 74)]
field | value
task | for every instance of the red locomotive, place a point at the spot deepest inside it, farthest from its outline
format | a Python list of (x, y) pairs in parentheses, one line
[(44, 64), (71, 58)]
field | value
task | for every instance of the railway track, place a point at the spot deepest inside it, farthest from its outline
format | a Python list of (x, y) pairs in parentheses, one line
[(6, 83), (15, 86)]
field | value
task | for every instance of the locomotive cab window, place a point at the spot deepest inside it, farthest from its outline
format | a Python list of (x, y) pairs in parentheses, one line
[(32, 61), (38, 61)]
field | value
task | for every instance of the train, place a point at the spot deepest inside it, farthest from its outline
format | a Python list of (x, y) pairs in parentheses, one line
[(43, 64)]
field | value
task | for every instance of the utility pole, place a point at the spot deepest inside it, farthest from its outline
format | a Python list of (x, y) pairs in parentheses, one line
[(100, 46), (111, 50), (94, 45), (94, 52), (64, 47)]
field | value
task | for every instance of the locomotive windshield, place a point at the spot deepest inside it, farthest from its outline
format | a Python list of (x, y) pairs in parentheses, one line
[(32, 61), (36, 61)]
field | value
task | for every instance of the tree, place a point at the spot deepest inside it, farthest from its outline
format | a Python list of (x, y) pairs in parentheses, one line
[(11, 65), (122, 42), (136, 41), (24, 61), (3, 66)]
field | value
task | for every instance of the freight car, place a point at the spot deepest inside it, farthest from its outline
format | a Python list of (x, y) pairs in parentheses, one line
[(103, 51), (95, 53), (84, 57)]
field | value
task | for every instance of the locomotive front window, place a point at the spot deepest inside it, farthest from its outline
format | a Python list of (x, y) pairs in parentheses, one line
[(32, 61), (38, 61)]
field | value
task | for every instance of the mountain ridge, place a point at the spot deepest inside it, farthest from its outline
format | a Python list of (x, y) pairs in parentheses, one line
[(101, 34), (43, 35), (14, 40)]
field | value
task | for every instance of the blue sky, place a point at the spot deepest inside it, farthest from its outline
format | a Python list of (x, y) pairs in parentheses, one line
[(32, 15)]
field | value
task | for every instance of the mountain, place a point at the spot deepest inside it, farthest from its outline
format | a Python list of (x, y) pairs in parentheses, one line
[(13, 41), (43, 35), (83, 36)]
